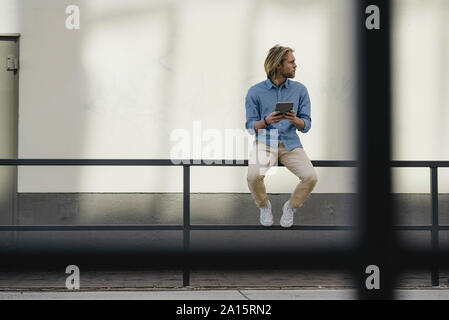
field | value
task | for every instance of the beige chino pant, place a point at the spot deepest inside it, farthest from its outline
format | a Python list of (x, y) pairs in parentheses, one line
[(262, 158)]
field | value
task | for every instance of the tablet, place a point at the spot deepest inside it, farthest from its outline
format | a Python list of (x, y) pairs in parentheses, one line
[(283, 107)]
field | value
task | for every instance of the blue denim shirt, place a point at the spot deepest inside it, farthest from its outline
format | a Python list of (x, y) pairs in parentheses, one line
[(261, 101)]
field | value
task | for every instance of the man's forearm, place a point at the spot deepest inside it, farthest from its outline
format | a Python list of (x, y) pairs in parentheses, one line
[(299, 123), (259, 125)]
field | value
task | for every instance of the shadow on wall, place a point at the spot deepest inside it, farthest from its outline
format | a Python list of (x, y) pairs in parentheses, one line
[(126, 94), (84, 86), (108, 90), (443, 83)]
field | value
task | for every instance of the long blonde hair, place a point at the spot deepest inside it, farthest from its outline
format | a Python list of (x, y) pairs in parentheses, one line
[(275, 57)]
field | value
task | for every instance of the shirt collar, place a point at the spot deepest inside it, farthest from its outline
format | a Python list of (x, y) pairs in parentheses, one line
[(270, 84)]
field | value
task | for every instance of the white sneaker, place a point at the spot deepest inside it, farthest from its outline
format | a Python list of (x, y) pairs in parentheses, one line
[(287, 215), (266, 217)]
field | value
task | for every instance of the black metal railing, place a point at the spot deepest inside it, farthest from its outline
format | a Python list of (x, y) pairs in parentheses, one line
[(187, 227), (376, 242)]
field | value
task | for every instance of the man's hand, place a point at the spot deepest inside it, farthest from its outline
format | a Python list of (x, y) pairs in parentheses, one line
[(274, 117), (291, 117)]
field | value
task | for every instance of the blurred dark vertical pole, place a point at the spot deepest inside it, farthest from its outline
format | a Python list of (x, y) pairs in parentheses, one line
[(374, 120), (435, 225), (186, 221)]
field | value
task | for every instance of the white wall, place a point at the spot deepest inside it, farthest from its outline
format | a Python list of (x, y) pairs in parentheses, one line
[(421, 91), (10, 15), (138, 71)]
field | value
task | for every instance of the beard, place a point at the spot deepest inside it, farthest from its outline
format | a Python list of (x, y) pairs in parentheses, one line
[(288, 75)]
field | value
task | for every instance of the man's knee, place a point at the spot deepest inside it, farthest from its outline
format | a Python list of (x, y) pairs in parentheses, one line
[(254, 176), (311, 178)]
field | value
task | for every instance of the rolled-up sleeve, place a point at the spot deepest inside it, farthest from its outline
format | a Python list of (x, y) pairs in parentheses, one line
[(252, 112), (304, 111)]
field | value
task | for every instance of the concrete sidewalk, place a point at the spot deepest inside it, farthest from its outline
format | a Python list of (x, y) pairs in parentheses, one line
[(208, 285), (313, 294), (135, 280)]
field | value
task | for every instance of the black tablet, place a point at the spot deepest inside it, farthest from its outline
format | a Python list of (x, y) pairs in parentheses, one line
[(283, 107)]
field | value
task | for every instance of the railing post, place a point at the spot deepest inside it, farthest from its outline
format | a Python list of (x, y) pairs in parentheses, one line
[(377, 242), (186, 220), (435, 224)]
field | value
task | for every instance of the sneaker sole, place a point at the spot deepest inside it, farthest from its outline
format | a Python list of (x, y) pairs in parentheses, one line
[(286, 226), (283, 225), (269, 224)]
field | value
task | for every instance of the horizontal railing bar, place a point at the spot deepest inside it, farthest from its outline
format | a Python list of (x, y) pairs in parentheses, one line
[(193, 227), (196, 162), (154, 162), (274, 227), (271, 258), (306, 227), (179, 259), (88, 227), (427, 227), (411, 163)]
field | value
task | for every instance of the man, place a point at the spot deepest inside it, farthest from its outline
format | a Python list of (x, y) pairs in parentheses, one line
[(276, 137)]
